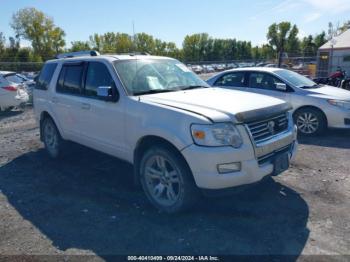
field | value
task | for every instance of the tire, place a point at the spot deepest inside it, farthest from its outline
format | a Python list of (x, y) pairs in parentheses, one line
[(52, 138), (310, 122), (167, 180)]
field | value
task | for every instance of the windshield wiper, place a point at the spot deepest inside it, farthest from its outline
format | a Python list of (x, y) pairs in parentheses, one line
[(152, 91), (192, 87), (307, 87)]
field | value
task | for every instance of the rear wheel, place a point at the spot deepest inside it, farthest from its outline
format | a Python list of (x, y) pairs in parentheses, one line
[(167, 180), (52, 138), (310, 122)]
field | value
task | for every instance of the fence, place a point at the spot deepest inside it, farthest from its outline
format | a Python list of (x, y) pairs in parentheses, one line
[(21, 66), (313, 66)]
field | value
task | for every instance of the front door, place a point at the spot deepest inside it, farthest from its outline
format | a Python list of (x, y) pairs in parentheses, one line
[(102, 122), (265, 84)]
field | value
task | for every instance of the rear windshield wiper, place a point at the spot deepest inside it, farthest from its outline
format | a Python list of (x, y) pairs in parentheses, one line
[(192, 87), (152, 91)]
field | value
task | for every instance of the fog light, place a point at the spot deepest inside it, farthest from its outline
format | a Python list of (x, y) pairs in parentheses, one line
[(229, 167)]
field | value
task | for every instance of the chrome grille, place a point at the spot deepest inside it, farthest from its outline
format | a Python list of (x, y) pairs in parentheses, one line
[(264, 129)]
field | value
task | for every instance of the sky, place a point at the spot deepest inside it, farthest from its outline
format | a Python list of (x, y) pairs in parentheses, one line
[(172, 20)]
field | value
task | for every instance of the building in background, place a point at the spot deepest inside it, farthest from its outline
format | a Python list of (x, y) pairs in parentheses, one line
[(333, 54)]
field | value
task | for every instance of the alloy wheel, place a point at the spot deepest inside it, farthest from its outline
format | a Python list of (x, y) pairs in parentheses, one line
[(162, 180), (307, 123)]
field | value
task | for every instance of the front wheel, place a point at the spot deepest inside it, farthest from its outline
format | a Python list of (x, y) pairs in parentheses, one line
[(310, 122), (51, 138), (167, 180)]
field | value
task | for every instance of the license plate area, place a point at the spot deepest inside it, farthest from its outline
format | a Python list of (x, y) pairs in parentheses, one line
[(280, 163)]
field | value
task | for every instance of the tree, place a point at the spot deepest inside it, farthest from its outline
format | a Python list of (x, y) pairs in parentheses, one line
[(278, 36), (79, 46), (144, 43), (320, 39), (35, 26), (293, 42), (308, 46)]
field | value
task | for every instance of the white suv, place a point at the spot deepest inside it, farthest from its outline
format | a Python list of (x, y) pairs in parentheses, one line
[(180, 134)]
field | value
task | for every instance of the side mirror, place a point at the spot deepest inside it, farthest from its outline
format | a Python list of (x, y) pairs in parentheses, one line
[(281, 86), (108, 93)]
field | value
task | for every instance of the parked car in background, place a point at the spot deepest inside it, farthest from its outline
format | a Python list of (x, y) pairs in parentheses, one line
[(315, 107), (208, 69), (12, 91), (28, 85), (197, 69), (181, 135)]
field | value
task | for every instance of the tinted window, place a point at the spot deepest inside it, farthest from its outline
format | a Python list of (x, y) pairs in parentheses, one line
[(263, 81), (45, 76), (97, 75), (232, 79), (70, 79)]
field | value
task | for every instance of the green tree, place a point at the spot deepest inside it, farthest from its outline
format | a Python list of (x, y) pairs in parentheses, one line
[(320, 39), (124, 43), (144, 43), (36, 27), (308, 46), (278, 36), (79, 46), (293, 42)]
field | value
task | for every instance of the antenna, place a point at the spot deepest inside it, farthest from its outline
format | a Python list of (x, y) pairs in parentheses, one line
[(133, 36)]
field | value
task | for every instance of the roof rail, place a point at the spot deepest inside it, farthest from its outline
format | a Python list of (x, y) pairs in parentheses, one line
[(135, 53), (77, 54)]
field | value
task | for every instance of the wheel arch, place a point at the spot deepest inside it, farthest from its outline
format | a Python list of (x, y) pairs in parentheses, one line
[(311, 107), (43, 116), (147, 142)]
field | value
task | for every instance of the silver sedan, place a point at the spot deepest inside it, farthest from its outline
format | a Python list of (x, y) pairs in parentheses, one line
[(315, 107)]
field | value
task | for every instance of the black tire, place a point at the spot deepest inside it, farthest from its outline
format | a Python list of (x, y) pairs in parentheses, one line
[(309, 128), (187, 191), (53, 145)]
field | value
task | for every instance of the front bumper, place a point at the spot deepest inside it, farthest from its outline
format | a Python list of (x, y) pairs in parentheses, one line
[(203, 161), (337, 117)]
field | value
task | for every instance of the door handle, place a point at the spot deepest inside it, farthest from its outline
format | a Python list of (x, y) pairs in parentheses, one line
[(54, 100), (85, 106)]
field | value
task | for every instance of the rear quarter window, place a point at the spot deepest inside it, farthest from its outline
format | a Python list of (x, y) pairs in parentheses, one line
[(45, 76)]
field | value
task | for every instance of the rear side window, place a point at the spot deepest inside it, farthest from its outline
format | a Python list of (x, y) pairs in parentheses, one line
[(97, 75), (45, 76), (70, 79), (236, 79)]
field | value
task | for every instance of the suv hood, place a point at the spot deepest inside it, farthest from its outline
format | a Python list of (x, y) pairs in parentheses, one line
[(330, 92), (219, 104)]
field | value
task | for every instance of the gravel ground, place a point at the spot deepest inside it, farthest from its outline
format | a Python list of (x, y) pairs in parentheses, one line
[(86, 204)]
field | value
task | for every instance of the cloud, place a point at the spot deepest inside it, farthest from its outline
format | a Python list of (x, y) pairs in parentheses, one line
[(284, 6), (312, 17), (333, 6)]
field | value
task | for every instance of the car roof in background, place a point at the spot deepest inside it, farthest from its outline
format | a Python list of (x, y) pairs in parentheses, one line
[(261, 69), (4, 73)]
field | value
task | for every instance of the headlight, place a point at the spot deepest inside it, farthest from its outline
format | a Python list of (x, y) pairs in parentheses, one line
[(340, 103), (221, 134)]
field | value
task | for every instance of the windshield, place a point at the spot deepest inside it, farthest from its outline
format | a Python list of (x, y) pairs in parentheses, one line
[(146, 76), (296, 79)]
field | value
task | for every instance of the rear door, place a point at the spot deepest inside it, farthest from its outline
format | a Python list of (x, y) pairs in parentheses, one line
[(101, 122), (67, 99), (233, 80)]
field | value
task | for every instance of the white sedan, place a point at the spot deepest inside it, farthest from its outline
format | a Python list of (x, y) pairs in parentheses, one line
[(12, 93), (315, 107)]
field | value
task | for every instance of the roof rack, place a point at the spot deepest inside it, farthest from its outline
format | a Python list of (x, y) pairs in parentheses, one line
[(135, 53), (77, 54)]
